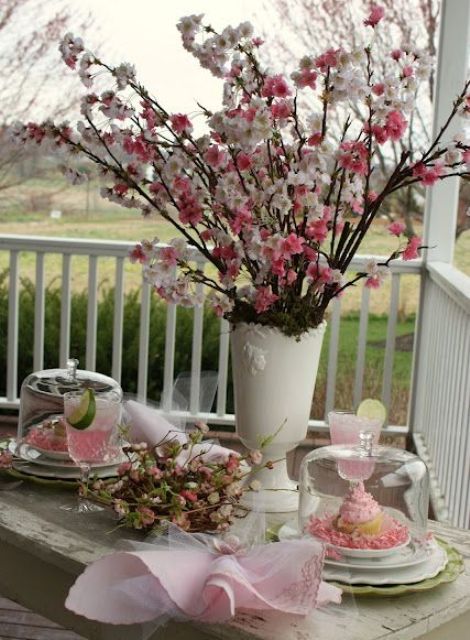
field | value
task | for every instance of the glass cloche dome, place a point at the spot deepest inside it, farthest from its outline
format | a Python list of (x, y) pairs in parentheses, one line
[(364, 497), (42, 404)]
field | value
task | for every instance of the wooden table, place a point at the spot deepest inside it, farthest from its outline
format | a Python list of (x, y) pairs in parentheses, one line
[(43, 549)]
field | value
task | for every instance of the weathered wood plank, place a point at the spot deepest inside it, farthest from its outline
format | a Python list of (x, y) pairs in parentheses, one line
[(19, 632)]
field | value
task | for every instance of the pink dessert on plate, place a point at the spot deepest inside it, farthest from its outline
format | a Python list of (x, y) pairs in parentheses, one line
[(48, 436), (360, 523)]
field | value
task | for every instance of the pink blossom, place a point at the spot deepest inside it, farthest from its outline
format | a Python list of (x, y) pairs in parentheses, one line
[(137, 254), (233, 462), (120, 189), (307, 78), (375, 16), (379, 133), (328, 59), (291, 277), (292, 245), (278, 267), (124, 468), (395, 125), (244, 161), (428, 175), (407, 71), (155, 472), (257, 42), (169, 256), (410, 252), (255, 457), (317, 230), (6, 459), (242, 221), (191, 496), (378, 89), (190, 211), (315, 139), (181, 123), (281, 109), (353, 157), (396, 54), (215, 157), (264, 299), (147, 516), (372, 196), (276, 86), (375, 274), (396, 228)]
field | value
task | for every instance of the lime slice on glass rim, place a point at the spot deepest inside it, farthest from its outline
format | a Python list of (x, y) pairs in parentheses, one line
[(372, 409), (84, 414)]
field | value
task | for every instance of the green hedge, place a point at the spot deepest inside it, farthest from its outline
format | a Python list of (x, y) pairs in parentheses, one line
[(105, 335), (377, 331)]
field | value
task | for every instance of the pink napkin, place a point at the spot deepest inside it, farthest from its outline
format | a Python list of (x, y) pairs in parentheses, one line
[(149, 425), (202, 578)]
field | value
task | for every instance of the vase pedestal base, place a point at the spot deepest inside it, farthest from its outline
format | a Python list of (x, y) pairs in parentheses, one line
[(277, 493)]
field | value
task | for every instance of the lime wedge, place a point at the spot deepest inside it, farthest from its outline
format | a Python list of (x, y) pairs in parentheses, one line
[(372, 409), (84, 414)]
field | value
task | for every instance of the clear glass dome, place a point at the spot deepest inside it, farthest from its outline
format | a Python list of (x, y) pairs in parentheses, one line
[(42, 403), (364, 497)]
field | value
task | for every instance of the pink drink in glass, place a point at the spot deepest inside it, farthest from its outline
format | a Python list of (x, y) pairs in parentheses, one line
[(98, 442), (345, 428)]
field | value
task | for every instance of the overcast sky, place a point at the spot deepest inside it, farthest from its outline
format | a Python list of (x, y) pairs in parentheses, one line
[(144, 32)]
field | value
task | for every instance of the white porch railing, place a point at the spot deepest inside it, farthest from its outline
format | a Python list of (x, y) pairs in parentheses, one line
[(442, 400), (94, 250)]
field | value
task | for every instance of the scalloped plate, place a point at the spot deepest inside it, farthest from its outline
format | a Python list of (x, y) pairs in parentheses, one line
[(451, 571)]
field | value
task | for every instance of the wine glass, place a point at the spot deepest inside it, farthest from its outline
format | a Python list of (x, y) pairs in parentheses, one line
[(97, 443), (349, 428)]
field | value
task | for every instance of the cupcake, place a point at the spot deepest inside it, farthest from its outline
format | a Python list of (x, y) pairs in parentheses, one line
[(360, 513)]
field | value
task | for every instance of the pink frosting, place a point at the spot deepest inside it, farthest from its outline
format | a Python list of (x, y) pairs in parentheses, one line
[(359, 506)]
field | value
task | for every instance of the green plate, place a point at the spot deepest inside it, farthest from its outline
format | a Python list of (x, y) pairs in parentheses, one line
[(451, 571)]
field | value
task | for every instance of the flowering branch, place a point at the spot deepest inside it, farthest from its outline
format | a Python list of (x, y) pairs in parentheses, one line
[(273, 201)]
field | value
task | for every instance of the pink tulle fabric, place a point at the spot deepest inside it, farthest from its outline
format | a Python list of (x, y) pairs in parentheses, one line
[(149, 425), (393, 534), (202, 579)]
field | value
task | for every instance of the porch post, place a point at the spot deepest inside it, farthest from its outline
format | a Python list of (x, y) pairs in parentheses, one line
[(440, 216)]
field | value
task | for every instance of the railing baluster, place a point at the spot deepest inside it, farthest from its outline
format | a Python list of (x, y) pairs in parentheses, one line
[(224, 346), (390, 342), (196, 355), (118, 322), (92, 313), (333, 356), (361, 346), (144, 338), (39, 313), (65, 311), (13, 323), (455, 424), (169, 368)]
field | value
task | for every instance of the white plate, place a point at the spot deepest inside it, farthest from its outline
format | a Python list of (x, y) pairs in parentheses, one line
[(407, 556), (64, 473), (51, 454), (390, 575), (28, 453)]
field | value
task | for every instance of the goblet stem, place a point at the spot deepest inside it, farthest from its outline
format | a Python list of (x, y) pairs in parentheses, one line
[(84, 505)]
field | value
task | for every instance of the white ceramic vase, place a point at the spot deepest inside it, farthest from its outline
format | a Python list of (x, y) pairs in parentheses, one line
[(274, 379)]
